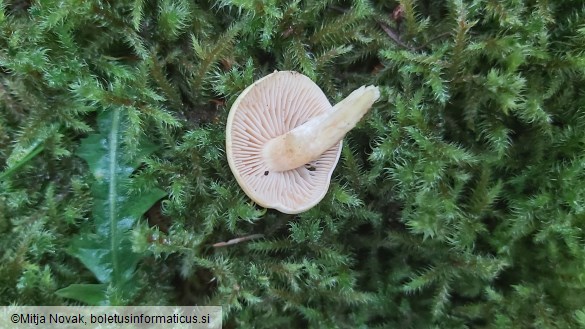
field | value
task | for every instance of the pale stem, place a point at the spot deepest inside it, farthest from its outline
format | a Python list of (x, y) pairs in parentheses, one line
[(308, 141)]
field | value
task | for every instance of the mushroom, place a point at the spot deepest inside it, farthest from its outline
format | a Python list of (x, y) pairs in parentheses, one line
[(283, 139)]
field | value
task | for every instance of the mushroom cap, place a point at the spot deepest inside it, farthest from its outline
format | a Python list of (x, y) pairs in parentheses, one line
[(270, 107)]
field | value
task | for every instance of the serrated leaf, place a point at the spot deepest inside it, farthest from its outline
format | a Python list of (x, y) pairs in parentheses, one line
[(107, 251)]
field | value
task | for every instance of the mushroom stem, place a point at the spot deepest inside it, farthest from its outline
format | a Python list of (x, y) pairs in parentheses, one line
[(308, 141)]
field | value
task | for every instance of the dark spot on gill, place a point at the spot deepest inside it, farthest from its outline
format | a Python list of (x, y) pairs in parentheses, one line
[(266, 173)]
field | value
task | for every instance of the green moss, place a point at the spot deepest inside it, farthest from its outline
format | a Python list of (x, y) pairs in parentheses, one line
[(458, 201)]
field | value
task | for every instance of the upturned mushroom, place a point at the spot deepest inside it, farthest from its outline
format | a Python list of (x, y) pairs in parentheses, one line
[(283, 139)]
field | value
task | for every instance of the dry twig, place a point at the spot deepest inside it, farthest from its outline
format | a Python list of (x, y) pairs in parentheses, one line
[(238, 240)]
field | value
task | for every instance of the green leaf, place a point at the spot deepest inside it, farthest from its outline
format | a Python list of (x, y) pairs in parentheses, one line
[(92, 294), (580, 316), (107, 252), (2, 8), (31, 153)]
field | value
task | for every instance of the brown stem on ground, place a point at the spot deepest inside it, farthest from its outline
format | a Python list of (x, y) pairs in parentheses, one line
[(238, 240)]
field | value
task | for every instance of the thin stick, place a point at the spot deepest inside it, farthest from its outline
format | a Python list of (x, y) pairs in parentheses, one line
[(440, 36), (238, 240), (394, 36)]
